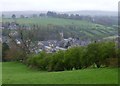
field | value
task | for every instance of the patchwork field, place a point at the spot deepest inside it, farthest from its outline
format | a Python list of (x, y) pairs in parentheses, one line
[(77, 27)]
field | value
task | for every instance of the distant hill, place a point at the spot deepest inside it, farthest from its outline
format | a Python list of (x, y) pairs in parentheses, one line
[(94, 13), (91, 13)]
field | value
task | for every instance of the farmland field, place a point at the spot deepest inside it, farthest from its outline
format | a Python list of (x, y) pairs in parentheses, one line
[(17, 73), (45, 21), (79, 27)]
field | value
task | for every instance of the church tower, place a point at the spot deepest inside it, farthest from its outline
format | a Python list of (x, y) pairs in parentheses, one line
[(61, 35)]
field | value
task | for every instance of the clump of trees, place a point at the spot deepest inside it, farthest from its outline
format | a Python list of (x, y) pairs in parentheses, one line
[(100, 54)]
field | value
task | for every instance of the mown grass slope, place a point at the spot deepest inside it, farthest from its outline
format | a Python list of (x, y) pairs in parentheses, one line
[(0, 73), (17, 73)]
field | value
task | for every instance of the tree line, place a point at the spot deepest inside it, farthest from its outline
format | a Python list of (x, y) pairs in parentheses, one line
[(104, 20)]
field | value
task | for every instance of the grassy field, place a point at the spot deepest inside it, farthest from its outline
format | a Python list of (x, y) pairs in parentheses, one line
[(0, 73), (17, 73), (46, 21)]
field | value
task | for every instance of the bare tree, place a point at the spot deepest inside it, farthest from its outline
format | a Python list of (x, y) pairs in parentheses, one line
[(22, 38)]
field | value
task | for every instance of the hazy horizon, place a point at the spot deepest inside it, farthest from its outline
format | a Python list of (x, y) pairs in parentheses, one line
[(55, 11), (58, 5)]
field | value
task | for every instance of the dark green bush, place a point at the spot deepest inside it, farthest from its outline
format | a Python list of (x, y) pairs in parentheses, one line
[(73, 58), (37, 60), (93, 54), (107, 50), (57, 62), (98, 52)]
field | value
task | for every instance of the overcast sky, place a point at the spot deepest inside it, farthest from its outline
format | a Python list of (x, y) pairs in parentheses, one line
[(58, 5)]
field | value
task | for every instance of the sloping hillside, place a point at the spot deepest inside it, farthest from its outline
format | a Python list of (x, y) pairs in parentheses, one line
[(78, 28)]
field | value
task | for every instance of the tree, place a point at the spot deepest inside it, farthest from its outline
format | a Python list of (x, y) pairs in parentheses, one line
[(13, 16), (3, 16), (25, 36), (93, 54), (34, 15), (22, 16), (5, 48), (73, 58), (57, 62), (14, 53), (52, 14), (42, 15), (107, 51)]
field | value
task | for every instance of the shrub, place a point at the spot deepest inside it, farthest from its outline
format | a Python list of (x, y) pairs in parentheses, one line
[(102, 53), (92, 54), (107, 50), (98, 52), (57, 62), (73, 58), (37, 61)]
